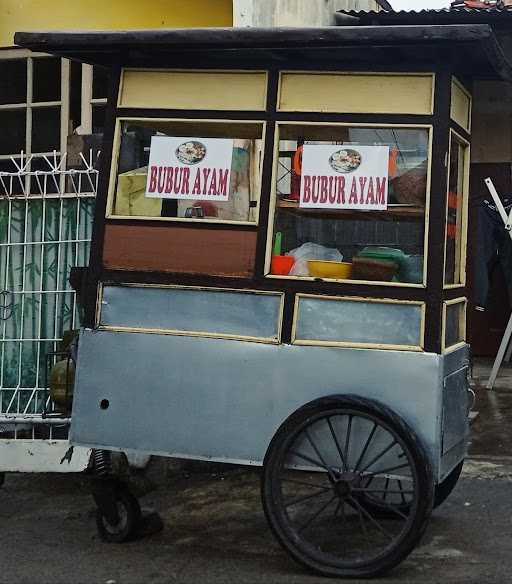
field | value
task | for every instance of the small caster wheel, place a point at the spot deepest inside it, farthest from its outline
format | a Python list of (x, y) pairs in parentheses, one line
[(128, 510)]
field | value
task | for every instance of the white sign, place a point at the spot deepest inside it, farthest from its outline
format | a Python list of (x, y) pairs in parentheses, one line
[(189, 168), (344, 177)]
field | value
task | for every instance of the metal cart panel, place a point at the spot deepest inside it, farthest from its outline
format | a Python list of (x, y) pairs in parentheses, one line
[(224, 400), (189, 310)]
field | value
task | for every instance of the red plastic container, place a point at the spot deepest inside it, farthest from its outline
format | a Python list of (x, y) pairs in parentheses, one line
[(281, 265)]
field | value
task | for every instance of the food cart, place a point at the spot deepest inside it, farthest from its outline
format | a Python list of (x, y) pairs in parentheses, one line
[(277, 275)]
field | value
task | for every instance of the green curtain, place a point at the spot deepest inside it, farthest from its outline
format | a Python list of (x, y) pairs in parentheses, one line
[(47, 237)]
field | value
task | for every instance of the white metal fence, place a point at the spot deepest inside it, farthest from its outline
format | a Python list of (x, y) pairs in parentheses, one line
[(45, 230)]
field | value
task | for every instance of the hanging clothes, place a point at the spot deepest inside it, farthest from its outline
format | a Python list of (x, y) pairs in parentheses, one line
[(493, 243)]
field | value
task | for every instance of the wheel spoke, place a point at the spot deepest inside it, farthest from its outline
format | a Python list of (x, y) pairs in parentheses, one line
[(336, 516), (306, 498), (304, 483), (401, 491), (391, 492), (317, 452), (394, 509), (338, 447), (338, 507), (368, 441), (385, 486), (380, 455), (386, 470), (371, 519), (317, 514), (364, 529), (343, 514), (369, 481), (309, 459), (347, 440)]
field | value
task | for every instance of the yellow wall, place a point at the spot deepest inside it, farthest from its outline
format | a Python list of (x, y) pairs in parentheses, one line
[(26, 15)]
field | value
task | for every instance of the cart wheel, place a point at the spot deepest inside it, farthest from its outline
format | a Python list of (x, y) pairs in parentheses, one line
[(321, 462), (444, 488), (128, 509)]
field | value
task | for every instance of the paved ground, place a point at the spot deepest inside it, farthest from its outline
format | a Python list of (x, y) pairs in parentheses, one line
[(215, 531)]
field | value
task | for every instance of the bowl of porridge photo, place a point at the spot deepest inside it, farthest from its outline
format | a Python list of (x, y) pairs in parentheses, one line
[(191, 152), (345, 161)]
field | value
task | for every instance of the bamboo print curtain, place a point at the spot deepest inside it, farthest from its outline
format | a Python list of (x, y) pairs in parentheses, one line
[(40, 240)]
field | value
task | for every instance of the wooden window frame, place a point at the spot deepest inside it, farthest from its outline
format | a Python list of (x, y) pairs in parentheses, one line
[(273, 203), (194, 221), (460, 271), (456, 84), (355, 345), (462, 325), (88, 102), (29, 105), (183, 333)]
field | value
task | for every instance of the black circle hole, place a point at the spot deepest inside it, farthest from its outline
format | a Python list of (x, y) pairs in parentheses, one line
[(104, 403)]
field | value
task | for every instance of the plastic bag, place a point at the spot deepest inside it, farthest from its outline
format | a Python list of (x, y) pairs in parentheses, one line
[(311, 251)]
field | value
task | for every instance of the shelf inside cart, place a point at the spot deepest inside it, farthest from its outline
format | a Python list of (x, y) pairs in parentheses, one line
[(393, 210)]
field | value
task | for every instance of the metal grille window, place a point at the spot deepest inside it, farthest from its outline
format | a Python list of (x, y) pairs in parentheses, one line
[(42, 235), (45, 224)]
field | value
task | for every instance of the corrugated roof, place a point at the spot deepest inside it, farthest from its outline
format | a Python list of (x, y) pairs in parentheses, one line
[(462, 15), (458, 10)]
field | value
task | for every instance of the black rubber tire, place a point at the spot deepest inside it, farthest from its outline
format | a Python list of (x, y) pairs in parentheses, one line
[(130, 514), (310, 554), (2, 479), (445, 488)]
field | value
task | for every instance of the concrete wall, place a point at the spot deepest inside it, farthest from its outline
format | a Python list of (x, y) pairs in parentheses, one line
[(293, 12)]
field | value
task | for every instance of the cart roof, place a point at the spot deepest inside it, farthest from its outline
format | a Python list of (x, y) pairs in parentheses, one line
[(472, 48)]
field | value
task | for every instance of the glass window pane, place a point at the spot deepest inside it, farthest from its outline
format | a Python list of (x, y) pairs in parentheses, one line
[(99, 83), (203, 312), (454, 212), (356, 322), (13, 81), (351, 203), (455, 323), (199, 170), (47, 77), (13, 127), (45, 129)]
